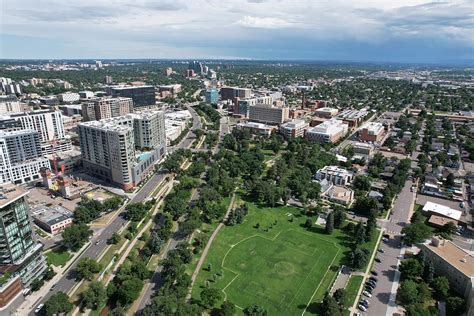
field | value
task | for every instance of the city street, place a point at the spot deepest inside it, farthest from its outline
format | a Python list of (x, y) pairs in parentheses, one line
[(383, 296)]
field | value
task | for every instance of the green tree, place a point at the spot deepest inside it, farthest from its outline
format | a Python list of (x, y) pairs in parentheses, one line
[(408, 292), (455, 305), (329, 307), (340, 296), (411, 268), (87, 267), (227, 309), (440, 286), (114, 239), (210, 296), (415, 233), (255, 310), (329, 224), (129, 291), (339, 218), (58, 303), (95, 296), (308, 223), (75, 236), (359, 234), (36, 284)]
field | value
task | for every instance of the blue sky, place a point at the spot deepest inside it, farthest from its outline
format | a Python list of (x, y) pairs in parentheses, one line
[(355, 30)]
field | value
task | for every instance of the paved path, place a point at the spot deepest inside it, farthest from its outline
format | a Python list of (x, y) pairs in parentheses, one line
[(208, 246)]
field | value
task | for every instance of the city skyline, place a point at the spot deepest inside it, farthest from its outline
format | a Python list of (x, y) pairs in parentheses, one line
[(364, 31)]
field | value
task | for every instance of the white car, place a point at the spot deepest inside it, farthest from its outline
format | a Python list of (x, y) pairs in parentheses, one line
[(362, 307), (38, 308), (367, 294)]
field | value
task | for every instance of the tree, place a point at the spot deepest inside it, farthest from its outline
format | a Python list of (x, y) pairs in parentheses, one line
[(339, 217), (450, 180), (361, 183), (455, 305), (415, 233), (87, 267), (57, 303), (36, 284), (129, 291), (255, 310), (114, 239), (366, 206), (75, 236), (358, 257), (441, 287), (408, 292), (308, 223), (210, 296), (49, 274), (95, 296), (411, 268), (424, 292), (370, 226), (227, 309), (329, 224), (329, 307), (449, 228), (340, 296), (428, 271), (359, 234)]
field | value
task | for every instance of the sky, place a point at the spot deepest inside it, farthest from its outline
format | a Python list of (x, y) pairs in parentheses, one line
[(328, 30)]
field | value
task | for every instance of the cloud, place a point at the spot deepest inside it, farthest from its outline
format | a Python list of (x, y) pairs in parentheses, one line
[(263, 23)]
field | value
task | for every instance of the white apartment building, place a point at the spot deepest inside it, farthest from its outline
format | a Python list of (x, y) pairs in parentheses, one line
[(86, 94), (68, 97), (266, 113), (293, 129), (108, 147), (335, 175), (10, 104), (327, 132), (21, 156)]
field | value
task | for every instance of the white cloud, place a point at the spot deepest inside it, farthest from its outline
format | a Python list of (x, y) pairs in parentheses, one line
[(263, 22)]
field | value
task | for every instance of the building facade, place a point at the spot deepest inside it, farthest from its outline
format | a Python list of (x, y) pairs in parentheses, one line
[(229, 93), (269, 114), (372, 132), (327, 132), (103, 108), (19, 253), (141, 95), (10, 104), (335, 175), (212, 96), (293, 129)]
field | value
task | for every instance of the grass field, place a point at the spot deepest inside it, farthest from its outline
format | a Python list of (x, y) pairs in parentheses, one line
[(352, 288), (58, 257), (280, 265)]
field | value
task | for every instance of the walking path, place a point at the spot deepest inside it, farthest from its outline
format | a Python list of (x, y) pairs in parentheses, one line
[(208, 246)]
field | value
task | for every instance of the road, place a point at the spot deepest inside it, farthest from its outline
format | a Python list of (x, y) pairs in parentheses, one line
[(383, 296), (68, 281)]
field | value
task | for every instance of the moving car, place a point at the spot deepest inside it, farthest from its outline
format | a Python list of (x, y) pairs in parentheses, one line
[(38, 308)]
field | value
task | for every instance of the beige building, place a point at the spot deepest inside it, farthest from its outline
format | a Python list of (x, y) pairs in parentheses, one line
[(326, 112), (327, 132), (257, 128), (266, 113), (294, 129), (103, 108), (454, 263)]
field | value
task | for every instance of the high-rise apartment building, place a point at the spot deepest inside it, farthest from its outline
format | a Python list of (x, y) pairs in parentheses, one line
[(103, 108), (123, 149), (10, 104), (21, 156), (19, 253), (141, 95), (49, 125)]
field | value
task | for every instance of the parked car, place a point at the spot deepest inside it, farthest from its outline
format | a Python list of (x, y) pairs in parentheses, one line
[(369, 286), (52, 287), (38, 308), (373, 278), (381, 250), (365, 293), (362, 308), (366, 301), (386, 236), (378, 260), (385, 239), (364, 304), (374, 272), (369, 289)]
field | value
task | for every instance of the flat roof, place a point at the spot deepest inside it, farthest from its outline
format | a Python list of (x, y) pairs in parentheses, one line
[(440, 220), (50, 215), (10, 193), (457, 257), (442, 210)]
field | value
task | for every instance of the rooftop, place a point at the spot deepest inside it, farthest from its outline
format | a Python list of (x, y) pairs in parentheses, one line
[(51, 215), (442, 210), (458, 258), (10, 193)]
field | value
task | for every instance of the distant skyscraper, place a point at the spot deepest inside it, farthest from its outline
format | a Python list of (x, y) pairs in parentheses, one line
[(98, 64), (168, 71), (108, 79), (141, 95), (212, 96), (196, 66)]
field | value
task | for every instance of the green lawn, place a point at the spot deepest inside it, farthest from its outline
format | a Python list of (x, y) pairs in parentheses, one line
[(352, 288), (282, 268), (58, 257)]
